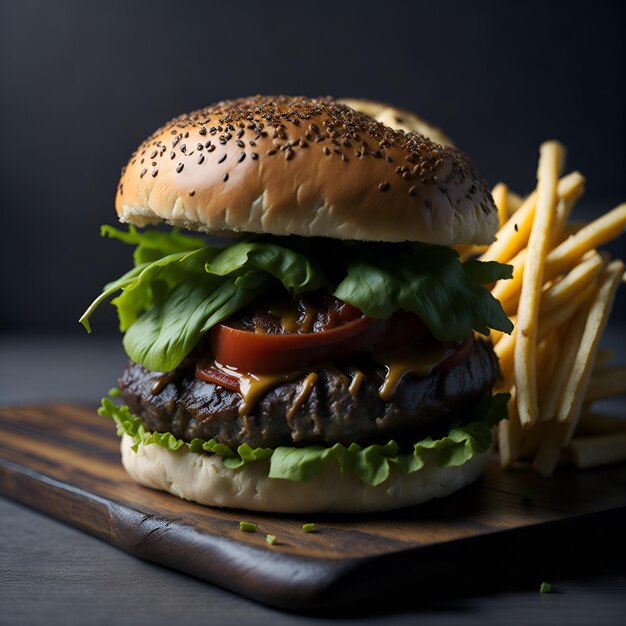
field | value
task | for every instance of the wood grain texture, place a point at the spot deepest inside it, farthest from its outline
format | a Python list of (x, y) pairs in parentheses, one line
[(64, 460)]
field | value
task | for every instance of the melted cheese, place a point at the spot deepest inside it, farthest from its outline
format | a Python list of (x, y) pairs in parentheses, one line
[(357, 379), (404, 361)]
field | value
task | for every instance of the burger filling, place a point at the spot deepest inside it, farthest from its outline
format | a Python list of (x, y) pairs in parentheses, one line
[(307, 350)]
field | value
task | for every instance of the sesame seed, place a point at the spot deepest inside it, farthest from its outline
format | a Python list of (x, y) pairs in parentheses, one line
[(242, 156), (179, 168), (225, 177), (254, 156), (222, 158), (384, 186), (201, 159)]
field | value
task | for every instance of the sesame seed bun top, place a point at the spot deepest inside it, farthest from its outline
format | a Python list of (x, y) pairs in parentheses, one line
[(304, 166)]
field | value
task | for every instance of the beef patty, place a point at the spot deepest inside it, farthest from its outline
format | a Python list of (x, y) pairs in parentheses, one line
[(420, 406)]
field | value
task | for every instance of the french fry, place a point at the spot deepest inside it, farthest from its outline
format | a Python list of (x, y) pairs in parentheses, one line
[(561, 315), (513, 235), (547, 356), (505, 348), (551, 159), (605, 383), (576, 387), (572, 192), (510, 298), (550, 448), (513, 202), (559, 432), (571, 188), (500, 195), (596, 233), (574, 333), (574, 282), (566, 254), (598, 450)]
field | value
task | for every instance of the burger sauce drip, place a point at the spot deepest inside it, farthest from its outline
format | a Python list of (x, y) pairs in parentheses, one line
[(251, 387), (309, 317), (307, 386), (288, 315), (404, 361)]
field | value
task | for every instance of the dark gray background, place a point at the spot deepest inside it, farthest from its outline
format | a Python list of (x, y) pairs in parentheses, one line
[(82, 83)]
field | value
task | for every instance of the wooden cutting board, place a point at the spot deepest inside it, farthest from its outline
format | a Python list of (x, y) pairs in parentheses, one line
[(63, 460)]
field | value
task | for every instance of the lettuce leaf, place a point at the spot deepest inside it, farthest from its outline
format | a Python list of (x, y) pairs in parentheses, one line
[(181, 314), (371, 464), (180, 288), (430, 281), (295, 271), (153, 244)]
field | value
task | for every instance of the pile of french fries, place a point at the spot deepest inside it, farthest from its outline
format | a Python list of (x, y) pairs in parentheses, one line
[(559, 299)]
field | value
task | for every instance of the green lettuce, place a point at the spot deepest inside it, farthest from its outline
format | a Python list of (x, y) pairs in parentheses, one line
[(180, 287), (430, 281), (371, 464)]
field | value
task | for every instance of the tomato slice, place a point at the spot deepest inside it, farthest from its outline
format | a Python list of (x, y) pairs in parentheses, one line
[(267, 354), (216, 373)]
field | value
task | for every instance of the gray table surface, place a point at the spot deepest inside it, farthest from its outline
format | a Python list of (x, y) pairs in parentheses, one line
[(53, 574)]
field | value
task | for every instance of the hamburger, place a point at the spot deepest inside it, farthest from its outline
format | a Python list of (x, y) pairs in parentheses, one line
[(329, 352)]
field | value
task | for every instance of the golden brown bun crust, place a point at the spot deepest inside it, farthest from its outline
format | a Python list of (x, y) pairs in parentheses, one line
[(304, 166)]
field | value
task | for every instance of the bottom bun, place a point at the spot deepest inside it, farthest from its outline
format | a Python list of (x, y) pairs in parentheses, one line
[(204, 479)]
